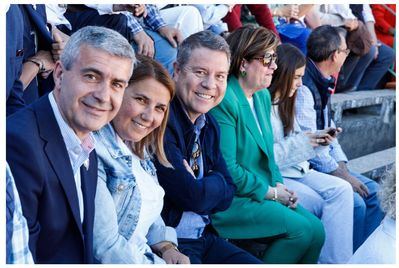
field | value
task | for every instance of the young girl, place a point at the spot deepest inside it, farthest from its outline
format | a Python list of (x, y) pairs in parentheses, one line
[(328, 197)]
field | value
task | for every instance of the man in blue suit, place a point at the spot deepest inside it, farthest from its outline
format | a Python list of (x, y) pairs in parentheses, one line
[(14, 57), (50, 145)]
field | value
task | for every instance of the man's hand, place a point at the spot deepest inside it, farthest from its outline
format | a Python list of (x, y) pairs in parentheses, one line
[(60, 39), (171, 256), (173, 35), (137, 10), (144, 43), (287, 11), (48, 63), (343, 173), (351, 24), (187, 166)]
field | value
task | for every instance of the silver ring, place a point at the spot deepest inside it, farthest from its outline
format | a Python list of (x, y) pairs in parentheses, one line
[(291, 199)]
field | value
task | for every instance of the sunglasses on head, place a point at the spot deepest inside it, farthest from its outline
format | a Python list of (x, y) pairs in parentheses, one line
[(267, 60)]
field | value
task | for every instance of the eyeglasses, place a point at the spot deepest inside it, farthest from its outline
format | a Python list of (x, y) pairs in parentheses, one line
[(194, 156), (267, 60), (346, 51)]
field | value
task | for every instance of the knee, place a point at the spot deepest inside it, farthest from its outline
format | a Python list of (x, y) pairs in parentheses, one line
[(359, 205), (308, 232), (369, 57), (386, 54), (345, 190), (373, 188)]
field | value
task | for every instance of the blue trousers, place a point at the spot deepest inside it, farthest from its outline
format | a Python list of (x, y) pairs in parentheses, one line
[(367, 212), (365, 72), (164, 52), (211, 249)]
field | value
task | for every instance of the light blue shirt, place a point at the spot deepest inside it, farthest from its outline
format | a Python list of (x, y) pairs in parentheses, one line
[(20, 253), (327, 160), (191, 224)]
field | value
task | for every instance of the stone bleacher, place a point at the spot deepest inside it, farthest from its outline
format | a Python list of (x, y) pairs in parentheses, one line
[(368, 119)]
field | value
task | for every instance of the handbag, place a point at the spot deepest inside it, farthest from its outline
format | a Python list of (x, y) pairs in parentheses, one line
[(359, 40), (294, 32)]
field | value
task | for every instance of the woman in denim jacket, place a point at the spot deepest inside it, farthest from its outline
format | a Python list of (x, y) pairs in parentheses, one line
[(128, 227)]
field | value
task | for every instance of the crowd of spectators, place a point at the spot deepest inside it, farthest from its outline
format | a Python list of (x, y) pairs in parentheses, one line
[(153, 134)]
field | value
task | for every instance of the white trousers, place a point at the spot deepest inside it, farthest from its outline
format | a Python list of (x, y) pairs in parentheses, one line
[(185, 18), (331, 199)]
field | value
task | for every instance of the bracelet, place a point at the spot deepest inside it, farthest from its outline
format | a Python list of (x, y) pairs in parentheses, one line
[(38, 63), (274, 198), (165, 248)]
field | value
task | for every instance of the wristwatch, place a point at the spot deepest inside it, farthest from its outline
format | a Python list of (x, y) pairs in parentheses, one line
[(38, 63), (165, 248)]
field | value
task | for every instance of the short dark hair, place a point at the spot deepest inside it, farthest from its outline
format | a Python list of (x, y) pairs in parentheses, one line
[(323, 41), (206, 39)]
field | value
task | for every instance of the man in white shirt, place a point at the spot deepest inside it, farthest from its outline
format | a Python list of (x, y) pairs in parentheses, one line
[(50, 146)]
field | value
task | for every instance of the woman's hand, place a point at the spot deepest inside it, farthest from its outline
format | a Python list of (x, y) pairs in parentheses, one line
[(312, 139), (283, 195)]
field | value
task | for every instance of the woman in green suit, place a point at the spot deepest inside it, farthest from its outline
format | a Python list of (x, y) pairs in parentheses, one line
[(262, 207)]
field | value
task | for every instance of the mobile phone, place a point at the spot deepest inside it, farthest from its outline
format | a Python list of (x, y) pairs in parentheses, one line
[(332, 131)]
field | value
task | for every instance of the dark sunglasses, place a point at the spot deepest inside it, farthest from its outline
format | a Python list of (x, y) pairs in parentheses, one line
[(267, 60)]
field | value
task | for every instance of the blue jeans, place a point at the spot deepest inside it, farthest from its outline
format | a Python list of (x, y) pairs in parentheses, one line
[(367, 213), (377, 69), (164, 52), (211, 249), (365, 73)]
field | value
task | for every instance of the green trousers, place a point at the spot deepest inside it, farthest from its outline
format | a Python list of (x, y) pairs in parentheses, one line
[(301, 243)]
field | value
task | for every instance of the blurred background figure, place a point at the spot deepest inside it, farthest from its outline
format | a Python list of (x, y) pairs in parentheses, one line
[(380, 246)]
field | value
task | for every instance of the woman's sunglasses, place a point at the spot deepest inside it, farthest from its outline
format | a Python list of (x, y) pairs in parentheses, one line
[(267, 60)]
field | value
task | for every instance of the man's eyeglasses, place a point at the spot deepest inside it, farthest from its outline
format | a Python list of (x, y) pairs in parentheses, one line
[(267, 60), (346, 51)]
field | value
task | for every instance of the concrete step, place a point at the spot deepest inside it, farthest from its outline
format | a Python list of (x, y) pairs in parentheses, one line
[(365, 133), (374, 165), (383, 98)]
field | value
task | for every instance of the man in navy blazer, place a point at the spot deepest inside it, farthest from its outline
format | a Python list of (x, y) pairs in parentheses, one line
[(199, 183), (50, 145), (14, 57)]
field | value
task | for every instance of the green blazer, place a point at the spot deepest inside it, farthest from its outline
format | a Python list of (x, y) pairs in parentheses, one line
[(250, 160)]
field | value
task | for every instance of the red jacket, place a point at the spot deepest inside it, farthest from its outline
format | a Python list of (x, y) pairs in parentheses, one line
[(384, 20)]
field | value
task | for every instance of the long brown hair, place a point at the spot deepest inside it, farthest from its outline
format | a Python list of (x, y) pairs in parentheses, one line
[(153, 143), (289, 59)]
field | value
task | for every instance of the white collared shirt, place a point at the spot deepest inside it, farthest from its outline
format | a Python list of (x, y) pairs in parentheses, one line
[(78, 151)]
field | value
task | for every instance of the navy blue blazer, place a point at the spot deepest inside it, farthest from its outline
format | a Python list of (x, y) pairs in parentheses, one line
[(39, 160), (14, 57), (215, 191)]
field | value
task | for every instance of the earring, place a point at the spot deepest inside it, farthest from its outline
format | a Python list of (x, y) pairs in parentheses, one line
[(243, 73)]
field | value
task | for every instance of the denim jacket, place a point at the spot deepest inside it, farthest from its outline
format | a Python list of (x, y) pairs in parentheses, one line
[(118, 204)]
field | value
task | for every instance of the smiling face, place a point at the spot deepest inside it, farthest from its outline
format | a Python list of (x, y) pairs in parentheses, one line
[(201, 83), (297, 82), (143, 108), (90, 93)]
